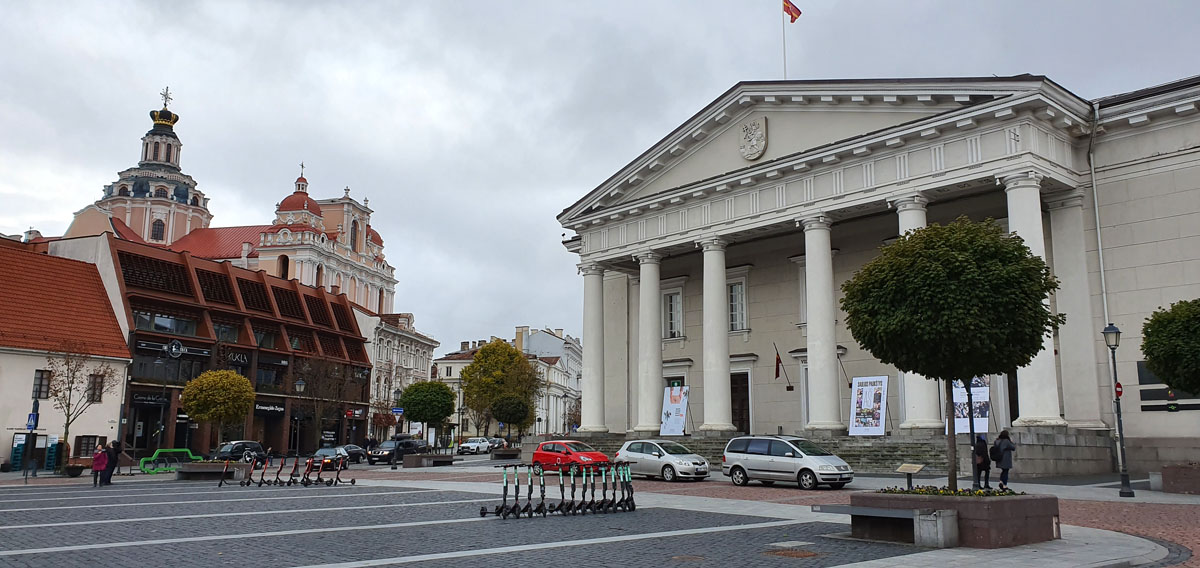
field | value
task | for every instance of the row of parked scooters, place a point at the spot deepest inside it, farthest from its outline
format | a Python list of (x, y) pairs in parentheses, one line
[(618, 472), (311, 476)]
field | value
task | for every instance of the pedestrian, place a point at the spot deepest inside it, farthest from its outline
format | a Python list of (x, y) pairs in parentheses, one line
[(99, 464), (1002, 454), (983, 464), (113, 454)]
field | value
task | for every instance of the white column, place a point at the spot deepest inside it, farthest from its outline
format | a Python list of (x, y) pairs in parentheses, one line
[(921, 400), (823, 391), (1037, 382), (650, 383), (718, 412), (1076, 338), (592, 383)]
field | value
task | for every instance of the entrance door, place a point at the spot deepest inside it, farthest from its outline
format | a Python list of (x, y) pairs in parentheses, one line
[(739, 401)]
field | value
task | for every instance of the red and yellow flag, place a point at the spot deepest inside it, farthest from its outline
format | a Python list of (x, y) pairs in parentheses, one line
[(791, 10)]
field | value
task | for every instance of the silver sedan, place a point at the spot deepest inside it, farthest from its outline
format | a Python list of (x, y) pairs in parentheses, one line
[(663, 458)]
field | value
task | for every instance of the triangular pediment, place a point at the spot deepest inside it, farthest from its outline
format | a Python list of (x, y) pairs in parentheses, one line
[(798, 116)]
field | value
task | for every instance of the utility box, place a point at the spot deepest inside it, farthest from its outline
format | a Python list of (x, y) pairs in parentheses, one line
[(936, 530)]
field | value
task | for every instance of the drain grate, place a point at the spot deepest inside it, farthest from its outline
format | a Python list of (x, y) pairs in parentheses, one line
[(791, 553)]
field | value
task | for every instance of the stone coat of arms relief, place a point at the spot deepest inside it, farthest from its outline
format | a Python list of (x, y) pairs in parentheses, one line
[(754, 138)]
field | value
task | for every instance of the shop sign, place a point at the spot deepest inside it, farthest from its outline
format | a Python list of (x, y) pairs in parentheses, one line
[(264, 359), (267, 408), (238, 357), (147, 398)]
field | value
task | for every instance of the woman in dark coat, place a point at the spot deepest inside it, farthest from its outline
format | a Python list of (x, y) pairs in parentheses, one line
[(983, 464), (113, 453), (1005, 463)]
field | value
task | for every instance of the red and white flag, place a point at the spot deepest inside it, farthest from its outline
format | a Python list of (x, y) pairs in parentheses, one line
[(791, 10)]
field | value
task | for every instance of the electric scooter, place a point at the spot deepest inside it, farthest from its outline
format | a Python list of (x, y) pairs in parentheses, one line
[(583, 500), (337, 480), (320, 469), (515, 510), (502, 508), (570, 508), (305, 480), (224, 472), (629, 483), (528, 508), (602, 506), (250, 476), (541, 507), (562, 495), (277, 481)]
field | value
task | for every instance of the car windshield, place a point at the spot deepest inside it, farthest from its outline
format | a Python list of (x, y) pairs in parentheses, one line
[(675, 449), (326, 452), (226, 448), (810, 448), (386, 445), (579, 447)]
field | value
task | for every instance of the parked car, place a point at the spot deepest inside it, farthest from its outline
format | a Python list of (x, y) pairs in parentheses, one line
[(566, 455), (662, 458), (475, 446), (358, 454), (768, 459), (383, 452), (496, 442), (331, 457), (240, 450)]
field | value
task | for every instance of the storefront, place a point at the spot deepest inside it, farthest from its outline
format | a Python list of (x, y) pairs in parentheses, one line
[(269, 423)]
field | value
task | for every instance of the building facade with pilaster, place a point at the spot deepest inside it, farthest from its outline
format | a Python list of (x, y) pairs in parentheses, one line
[(728, 241)]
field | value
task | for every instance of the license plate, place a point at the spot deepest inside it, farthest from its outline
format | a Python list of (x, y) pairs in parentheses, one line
[(702, 470)]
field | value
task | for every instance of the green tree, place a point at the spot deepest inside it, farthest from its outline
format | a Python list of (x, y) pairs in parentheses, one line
[(77, 381), (430, 402), (1171, 345), (512, 410), (497, 370), (218, 397), (952, 303)]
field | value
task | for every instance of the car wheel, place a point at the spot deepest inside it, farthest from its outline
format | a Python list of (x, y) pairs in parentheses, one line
[(370, 462), (807, 480), (767, 482), (537, 469), (738, 476), (668, 473), (837, 485)]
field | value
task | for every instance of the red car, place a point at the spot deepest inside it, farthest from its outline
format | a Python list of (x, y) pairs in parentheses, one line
[(565, 455)]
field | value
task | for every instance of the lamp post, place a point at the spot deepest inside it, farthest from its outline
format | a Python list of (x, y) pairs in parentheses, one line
[(396, 443), (299, 386), (1112, 338)]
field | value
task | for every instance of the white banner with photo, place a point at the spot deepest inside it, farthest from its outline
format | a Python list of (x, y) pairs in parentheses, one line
[(981, 397), (868, 406), (674, 411)]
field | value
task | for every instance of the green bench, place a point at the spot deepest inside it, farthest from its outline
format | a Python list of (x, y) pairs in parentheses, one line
[(167, 460)]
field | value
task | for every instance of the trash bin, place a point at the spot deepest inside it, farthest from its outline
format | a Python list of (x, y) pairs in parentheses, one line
[(937, 530)]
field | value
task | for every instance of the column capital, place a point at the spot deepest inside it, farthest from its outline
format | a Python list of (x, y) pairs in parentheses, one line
[(648, 257), (914, 202), (1065, 199), (815, 223), (712, 243), (590, 269), (1020, 179)]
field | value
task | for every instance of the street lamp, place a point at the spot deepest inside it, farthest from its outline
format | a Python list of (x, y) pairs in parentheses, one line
[(299, 387), (396, 443), (1112, 338)]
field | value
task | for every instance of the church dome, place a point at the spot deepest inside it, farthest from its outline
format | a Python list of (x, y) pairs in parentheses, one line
[(373, 236), (300, 201)]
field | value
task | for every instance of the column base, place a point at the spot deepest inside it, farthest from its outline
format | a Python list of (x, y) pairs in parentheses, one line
[(1039, 421), (593, 429), (643, 430), (922, 424), (825, 430), (1088, 424), (718, 427)]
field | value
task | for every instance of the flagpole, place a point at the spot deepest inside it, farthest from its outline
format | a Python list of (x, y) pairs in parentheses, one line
[(783, 34)]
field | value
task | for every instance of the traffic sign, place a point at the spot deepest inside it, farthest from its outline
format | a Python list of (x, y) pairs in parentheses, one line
[(32, 423), (397, 410), (1119, 390)]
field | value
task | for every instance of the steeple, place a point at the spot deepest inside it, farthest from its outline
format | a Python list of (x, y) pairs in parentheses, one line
[(160, 146)]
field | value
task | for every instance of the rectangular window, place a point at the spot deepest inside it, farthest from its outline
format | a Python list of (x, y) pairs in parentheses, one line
[(41, 384), (264, 338), (449, 370), (163, 323), (672, 314), (95, 391), (226, 332), (85, 446), (737, 306)]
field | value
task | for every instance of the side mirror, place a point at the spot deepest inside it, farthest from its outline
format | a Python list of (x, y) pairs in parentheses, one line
[(656, 454), (789, 455)]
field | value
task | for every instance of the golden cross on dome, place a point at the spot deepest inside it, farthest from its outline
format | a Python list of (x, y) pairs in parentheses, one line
[(166, 96)]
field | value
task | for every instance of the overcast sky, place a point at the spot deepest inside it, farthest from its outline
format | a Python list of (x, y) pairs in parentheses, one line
[(471, 125)]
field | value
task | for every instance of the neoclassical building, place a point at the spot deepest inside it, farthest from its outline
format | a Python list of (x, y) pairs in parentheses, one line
[(729, 239)]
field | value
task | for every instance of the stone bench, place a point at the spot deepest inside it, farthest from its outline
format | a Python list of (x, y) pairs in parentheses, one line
[(922, 527), (236, 472), (506, 453), (428, 460), (982, 522)]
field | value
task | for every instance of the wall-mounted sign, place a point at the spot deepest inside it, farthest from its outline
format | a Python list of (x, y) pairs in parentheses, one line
[(149, 398), (264, 359), (238, 357), (174, 348), (360, 412), (267, 408)]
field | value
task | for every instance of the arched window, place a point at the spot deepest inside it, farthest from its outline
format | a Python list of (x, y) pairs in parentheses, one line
[(145, 151), (380, 306), (283, 266), (156, 151), (160, 192), (158, 230), (168, 152), (195, 200), (320, 276), (123, 191), (354, 236)]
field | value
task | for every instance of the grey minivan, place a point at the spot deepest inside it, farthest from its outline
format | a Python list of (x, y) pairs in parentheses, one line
[(768, 459)]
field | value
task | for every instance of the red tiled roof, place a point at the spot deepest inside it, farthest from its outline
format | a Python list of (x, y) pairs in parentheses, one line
[(394, 319), (550, 360), (300, 201), (373, 236), (221, 242), (124, 232), (294, 227), (458, 356), (49, 300)]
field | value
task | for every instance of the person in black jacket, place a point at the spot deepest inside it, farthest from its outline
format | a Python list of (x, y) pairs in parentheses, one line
[(114, 452), (983, 463)]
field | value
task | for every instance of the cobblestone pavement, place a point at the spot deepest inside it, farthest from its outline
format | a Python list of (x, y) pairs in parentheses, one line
[(140, 523)]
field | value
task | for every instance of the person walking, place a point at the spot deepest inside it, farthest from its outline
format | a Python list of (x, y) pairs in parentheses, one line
[(983, 464), (111, 466), (1004, 449), (99, 464)]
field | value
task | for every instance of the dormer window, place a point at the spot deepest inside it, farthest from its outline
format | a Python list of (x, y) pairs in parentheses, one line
[(158, 230), (195, 200), (160, 192), (124, 191)]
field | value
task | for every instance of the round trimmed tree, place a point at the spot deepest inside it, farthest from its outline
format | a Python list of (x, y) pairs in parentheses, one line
[(429, 402), (952, 303), (1171, 345), (219, 396)]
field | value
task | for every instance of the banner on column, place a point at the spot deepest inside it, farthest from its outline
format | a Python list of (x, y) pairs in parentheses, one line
[(868, 406), (981, 395), (674, 411)]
